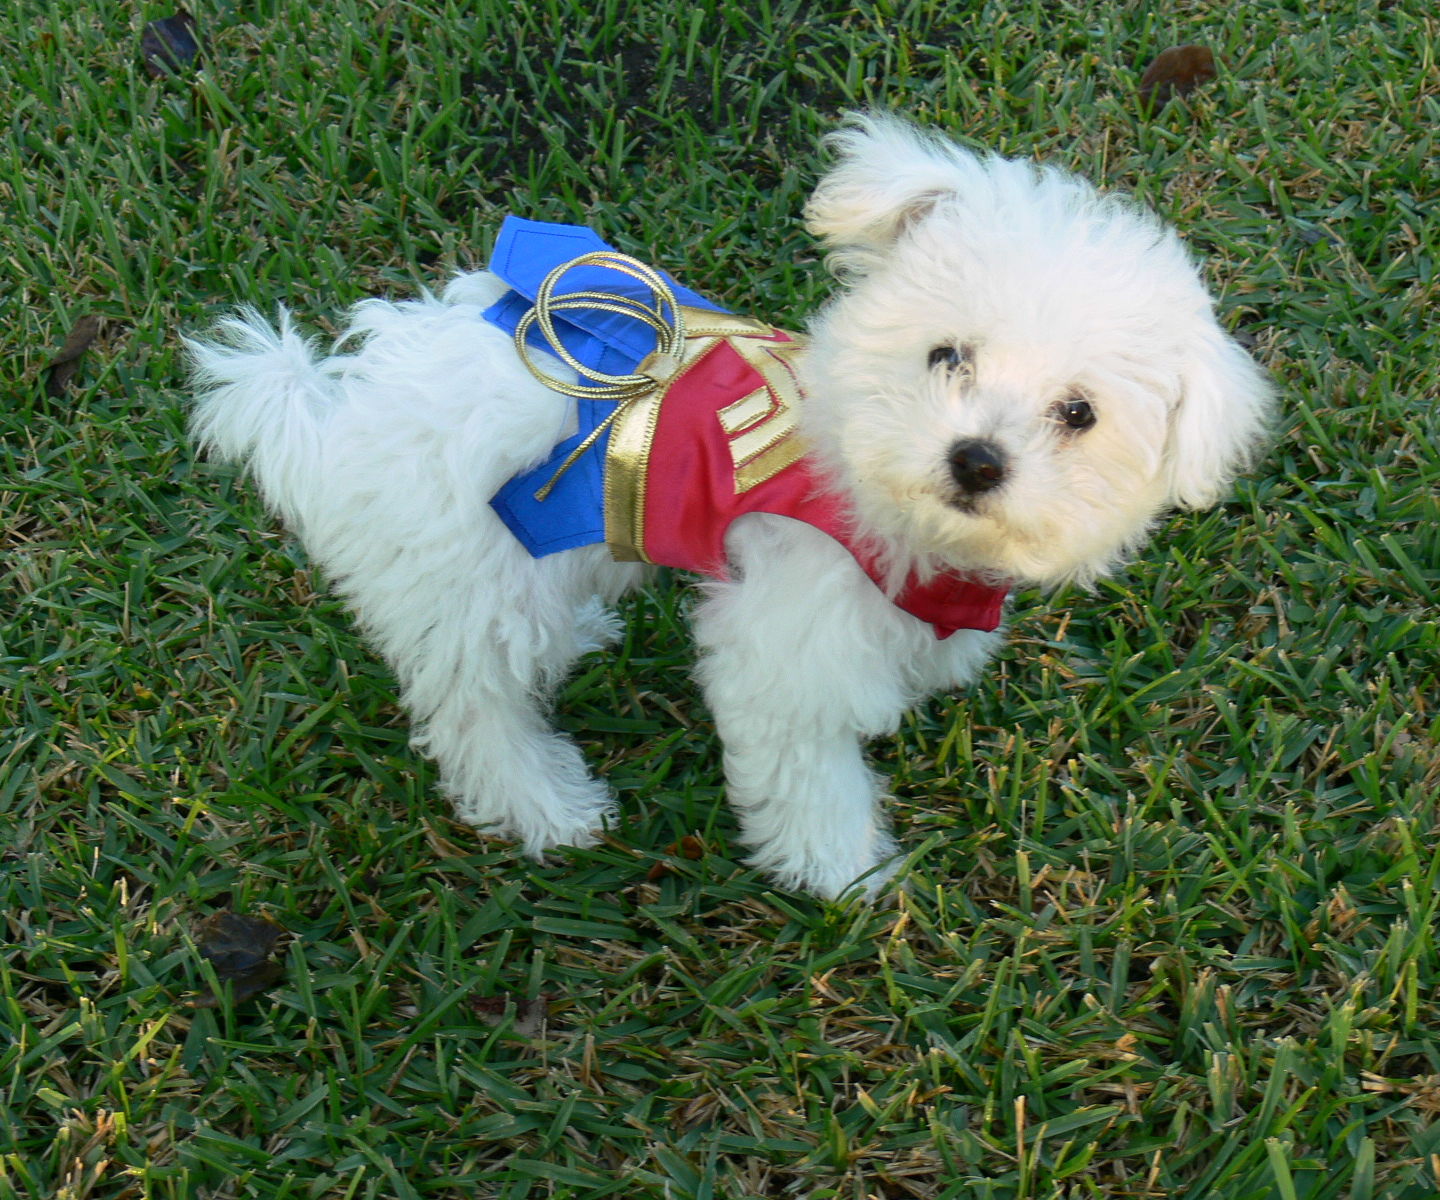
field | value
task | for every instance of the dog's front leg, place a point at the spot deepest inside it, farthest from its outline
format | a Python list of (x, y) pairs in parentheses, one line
[(804, 659), (809, 808)]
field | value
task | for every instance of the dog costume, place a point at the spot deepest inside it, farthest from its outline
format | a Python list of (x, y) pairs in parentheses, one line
[(702, 429)]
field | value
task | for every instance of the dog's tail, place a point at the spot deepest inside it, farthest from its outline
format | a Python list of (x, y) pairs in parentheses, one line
[(262, 397)]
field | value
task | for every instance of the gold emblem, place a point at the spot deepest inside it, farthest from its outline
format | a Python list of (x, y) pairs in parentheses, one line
[(760, 427)]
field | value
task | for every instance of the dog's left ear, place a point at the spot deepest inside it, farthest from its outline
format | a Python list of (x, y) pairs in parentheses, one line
[(887, 175), (1221, 420)]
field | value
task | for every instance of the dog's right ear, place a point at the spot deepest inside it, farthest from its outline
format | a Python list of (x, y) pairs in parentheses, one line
[(887, 175)]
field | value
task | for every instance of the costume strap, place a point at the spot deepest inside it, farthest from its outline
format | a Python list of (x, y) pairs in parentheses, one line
[(654, 371)]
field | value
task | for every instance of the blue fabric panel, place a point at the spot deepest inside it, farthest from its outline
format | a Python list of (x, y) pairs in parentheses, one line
[(573, 514), (525, 253)]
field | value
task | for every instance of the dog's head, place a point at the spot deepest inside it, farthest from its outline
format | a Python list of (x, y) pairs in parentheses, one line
[(1020, 374)]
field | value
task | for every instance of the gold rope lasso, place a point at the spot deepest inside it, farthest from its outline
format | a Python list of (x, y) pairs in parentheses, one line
[(660, 365)]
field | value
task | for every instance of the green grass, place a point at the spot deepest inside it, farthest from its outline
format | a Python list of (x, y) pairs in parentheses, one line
[(1170, 929)]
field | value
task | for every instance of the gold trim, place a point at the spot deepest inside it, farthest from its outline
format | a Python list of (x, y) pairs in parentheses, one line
[(760, 451), (769, 463), (760, 427), (735, 418), (627, 457), (627, 464), (779, 424), (706, 322)]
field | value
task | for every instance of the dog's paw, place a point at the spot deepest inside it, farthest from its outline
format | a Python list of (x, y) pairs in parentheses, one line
[(833, 872), (546, 814)]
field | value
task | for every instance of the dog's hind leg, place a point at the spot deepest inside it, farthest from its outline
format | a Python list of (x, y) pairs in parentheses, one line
[(477, 673), (509, 773)]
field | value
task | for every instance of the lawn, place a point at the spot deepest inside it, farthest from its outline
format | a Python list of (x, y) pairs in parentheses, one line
[(1169, 928)]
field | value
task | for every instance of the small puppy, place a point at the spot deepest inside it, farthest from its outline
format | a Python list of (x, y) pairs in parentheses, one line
[(1017, 378)]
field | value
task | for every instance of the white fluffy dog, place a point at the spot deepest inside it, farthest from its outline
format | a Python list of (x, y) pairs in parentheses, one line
[(1018, 376)]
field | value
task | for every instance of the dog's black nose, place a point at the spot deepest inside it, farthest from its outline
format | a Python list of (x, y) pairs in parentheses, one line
[(977, 465)]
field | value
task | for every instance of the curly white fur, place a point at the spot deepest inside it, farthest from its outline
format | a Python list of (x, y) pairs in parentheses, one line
[(980, 298)]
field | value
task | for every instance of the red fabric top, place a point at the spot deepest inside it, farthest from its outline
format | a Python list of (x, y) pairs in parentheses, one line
[(692, 494)]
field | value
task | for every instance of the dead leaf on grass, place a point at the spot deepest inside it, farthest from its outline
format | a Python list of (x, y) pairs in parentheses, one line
[(531, 1016), (1422, 1092), (61, 369), (1177, 71), (689, 847), (169, 44), (239, 948)]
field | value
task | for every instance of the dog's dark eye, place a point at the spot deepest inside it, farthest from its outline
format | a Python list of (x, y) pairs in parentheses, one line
[(951, 357), (1075, 413)]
